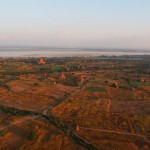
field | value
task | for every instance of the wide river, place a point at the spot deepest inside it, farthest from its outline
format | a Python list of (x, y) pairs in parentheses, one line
[(65, 53)]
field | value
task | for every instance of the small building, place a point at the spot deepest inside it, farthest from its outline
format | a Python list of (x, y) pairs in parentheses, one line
[(116, 84), (143, 80), (62, 76), (23, 77), (42, 62), (77, 128), (81, 78)]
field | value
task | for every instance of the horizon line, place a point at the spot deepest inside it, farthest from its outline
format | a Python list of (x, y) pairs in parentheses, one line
[(67, 48)]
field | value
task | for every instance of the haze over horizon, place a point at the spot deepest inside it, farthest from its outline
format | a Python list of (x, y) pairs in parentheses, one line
[(121, 24)]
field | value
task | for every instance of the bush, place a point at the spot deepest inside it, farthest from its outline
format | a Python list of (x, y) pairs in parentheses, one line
[(36, 84), (1, 133), (113, 85), (71, 81), (124, 86), (32, 136)]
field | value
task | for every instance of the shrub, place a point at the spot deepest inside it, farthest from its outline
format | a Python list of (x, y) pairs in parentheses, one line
[(32, 136), (113, 85), (1, 133)]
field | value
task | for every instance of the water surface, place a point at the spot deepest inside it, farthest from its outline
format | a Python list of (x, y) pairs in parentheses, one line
[(65, 53)]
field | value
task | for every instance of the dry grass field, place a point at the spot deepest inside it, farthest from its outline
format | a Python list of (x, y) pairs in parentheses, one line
[(74, 103)]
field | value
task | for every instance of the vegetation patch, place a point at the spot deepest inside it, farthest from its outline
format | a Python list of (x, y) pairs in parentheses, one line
[(137, 83), (61, 69), (124, 85), (96, 89), (32, 136), (2, 133), (16, 112)]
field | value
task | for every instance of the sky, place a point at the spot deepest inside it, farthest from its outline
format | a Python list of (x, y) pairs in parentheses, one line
[(75, 23)]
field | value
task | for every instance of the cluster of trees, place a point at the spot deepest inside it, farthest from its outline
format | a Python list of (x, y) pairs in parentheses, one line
[(32, 136), (71, 81), (15, 112), (96, 89)]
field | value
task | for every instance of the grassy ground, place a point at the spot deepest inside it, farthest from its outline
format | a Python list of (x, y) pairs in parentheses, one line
[(92, 104)]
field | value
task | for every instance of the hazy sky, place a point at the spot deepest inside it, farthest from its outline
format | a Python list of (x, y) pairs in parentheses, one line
[(75, 23)]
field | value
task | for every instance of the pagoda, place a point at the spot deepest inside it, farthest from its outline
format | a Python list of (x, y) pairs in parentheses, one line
[(77, 128), (62, 76), (81, 78), (42, 62)]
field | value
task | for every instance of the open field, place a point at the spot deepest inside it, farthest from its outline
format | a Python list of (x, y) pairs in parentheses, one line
[(75, 103)]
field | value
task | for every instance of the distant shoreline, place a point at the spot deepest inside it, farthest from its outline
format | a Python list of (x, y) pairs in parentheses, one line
[(68, 53)]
